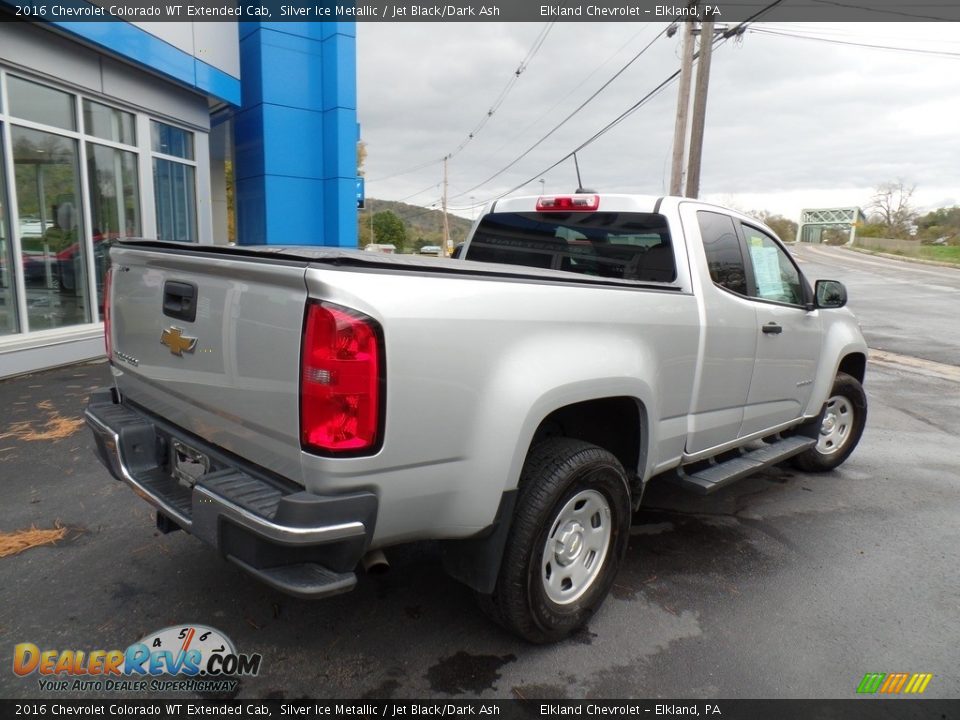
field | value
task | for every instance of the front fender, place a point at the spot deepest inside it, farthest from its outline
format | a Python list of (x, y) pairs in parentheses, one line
[(841, 337)]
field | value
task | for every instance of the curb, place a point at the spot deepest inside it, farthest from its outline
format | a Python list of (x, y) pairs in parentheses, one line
[(905, 258)]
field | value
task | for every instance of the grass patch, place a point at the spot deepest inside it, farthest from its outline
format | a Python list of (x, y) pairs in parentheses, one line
[(943, 253), (940, 253)]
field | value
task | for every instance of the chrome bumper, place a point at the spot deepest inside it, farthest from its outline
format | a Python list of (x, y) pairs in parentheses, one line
[(298, 542)]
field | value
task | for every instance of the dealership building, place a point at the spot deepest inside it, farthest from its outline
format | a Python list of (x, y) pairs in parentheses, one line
[(116, 129)]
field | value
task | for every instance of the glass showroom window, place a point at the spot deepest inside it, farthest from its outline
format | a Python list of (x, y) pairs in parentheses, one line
[(108, 123), (49, 206), (41, 104), (112, 181), (8, 297), (174, 182)]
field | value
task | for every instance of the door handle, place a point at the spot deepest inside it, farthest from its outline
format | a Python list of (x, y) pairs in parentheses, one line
[(771, 328), (180, 300)]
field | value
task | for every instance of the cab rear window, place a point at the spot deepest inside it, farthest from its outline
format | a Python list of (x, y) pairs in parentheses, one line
[(627, 246)]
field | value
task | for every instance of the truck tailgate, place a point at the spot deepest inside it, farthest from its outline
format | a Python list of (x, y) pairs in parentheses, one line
[(212, 344)]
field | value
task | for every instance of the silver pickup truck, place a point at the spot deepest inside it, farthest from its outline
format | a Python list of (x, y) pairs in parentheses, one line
[(300, 408)]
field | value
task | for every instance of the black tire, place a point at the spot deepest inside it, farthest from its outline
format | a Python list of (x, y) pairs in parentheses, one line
[(847, 406), (586, 483)]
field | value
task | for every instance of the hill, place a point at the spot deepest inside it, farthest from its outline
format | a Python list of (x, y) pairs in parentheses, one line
[(424, 227)]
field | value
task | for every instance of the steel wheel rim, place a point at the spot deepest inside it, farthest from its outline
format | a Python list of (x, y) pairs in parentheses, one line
[(837, 425), (576, 547)]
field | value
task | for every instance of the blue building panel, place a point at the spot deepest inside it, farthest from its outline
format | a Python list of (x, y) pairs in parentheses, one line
[(250, 201), (246, 27), (250, 57), (310, 30), (296, 211), (340, 71), (301, 60), (139, 46), (340, 143), (296, 135), (338, 28), (248, 148), (293, 142), (217, 83), (340, 201)]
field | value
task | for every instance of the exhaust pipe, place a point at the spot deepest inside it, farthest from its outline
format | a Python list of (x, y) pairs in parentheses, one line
[(375, 563)]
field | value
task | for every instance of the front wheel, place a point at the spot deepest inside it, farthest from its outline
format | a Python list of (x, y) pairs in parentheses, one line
[(568, 536), (840, 430)]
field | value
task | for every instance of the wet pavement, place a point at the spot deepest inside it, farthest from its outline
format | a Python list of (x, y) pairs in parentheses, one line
[(782, 585)]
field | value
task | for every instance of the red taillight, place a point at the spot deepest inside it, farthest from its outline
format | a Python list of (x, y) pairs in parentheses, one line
[(568, 203), (106, 311), (340, 385)]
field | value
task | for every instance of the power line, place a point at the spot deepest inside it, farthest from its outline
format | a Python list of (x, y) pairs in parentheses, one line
[(531, 53), (717, 42), (596, 136), (572, 90), (845, 33), (899, 13), (740, 27), (407, 171), (418, 192), (567, 118), (426, 210), (851, 43), (600, 133)]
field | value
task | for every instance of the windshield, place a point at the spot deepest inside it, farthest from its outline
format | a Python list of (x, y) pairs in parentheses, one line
[(628, 246)]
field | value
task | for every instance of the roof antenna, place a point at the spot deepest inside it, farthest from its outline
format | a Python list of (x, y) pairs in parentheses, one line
[(580, 187)]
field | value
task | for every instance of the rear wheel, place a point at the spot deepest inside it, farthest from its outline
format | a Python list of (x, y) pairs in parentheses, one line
[(567, 540), (840, 430)]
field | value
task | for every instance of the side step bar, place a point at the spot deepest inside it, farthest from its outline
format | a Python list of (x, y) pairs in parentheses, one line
[(721, 474)]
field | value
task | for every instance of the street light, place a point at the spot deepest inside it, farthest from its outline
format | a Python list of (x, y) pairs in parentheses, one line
[(543, 185)]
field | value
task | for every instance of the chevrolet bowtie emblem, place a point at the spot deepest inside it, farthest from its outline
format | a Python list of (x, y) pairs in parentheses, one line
[(178, 343)]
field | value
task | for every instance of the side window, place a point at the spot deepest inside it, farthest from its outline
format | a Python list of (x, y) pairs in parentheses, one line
[(777, 278), (724, 255)]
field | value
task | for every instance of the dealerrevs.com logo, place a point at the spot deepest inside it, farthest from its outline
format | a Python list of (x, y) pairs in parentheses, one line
[(202, 657)]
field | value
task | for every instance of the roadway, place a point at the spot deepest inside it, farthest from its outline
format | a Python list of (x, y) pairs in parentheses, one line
[(905, 308)]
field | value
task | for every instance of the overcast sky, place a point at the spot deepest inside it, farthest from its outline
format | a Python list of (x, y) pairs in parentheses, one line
[(791, 123)]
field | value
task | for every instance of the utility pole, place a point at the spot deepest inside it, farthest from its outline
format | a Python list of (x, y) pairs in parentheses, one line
[(683, 106), (446, 224), (699, 109)]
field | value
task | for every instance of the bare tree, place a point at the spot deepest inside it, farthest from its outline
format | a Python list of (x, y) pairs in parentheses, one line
[(785, 228), (891, 207)]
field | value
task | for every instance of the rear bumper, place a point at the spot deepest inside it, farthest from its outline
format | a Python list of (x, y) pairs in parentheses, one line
[(298, 542)]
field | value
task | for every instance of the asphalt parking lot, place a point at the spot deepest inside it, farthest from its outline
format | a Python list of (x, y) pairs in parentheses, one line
[(784, 585)]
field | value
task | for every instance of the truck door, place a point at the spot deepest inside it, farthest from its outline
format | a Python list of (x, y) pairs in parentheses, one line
[(729, 339), (788, 347)]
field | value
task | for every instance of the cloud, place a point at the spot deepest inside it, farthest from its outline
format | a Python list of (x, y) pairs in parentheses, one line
[(786, 118)]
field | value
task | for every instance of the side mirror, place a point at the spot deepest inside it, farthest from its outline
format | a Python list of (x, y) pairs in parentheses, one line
[(831, 294)]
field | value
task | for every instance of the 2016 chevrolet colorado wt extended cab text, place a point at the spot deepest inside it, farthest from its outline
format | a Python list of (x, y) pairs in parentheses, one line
[(300, 407)]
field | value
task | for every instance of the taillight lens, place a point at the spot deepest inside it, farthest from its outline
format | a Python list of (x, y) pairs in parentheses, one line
[(568, 203), (340, 381), (107, 282)]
